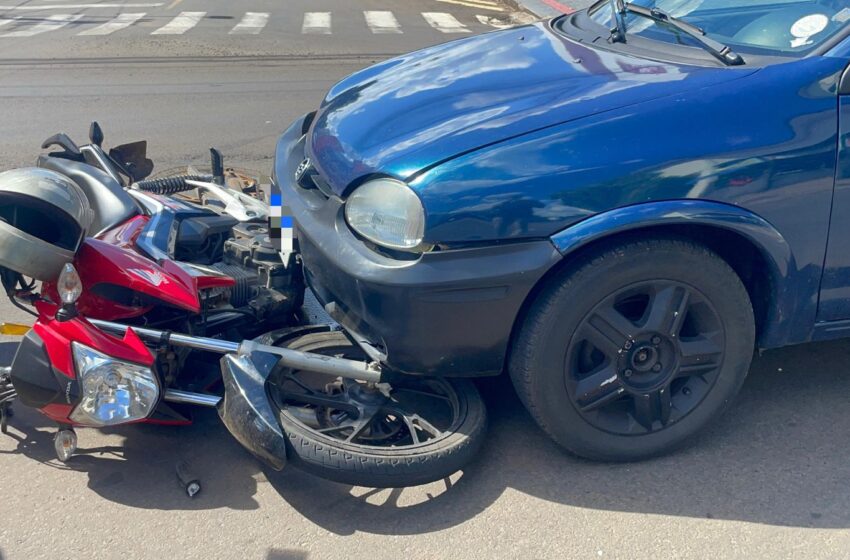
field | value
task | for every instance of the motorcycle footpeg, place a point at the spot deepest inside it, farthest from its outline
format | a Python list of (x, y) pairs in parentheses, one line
[(246, 411)]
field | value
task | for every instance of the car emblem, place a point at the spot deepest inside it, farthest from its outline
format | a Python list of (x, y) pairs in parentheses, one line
[(149, 276), (302, 169)]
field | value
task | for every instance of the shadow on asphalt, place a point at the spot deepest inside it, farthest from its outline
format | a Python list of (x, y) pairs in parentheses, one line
[(780, 456)]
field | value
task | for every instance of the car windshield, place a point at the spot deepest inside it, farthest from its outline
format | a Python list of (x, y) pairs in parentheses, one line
[(780, 27)]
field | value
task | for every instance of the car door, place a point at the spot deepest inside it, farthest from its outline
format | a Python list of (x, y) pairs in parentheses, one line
[(834, 302)]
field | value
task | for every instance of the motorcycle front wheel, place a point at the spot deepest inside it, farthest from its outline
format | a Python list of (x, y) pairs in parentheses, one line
[(413, 431)]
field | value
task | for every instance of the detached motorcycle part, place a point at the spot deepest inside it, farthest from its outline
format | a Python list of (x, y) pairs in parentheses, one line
[(190, 483)]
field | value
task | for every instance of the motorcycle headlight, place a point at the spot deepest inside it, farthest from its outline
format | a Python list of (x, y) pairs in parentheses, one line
[(388, 213), (113, 391)]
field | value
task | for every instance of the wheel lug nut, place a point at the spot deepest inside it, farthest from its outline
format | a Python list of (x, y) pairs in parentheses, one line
[(628, 373), (656, 340), (656, 367)]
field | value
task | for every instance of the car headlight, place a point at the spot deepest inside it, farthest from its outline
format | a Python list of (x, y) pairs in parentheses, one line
[(388, 213), (113, 391)]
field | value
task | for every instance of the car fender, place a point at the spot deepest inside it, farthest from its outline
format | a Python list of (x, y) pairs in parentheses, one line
[(787, 308)]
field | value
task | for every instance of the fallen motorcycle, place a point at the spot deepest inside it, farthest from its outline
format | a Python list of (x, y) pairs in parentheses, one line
[(155, 295)]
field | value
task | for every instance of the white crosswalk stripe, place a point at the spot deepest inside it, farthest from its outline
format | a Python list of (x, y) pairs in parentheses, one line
[(252, 23), (382, 22), (50, 23), (444, 22), (119, 22), (42, 7), (180, 24), (317, 22)]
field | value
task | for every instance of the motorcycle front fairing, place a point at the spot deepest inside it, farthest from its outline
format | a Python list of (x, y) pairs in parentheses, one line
[(44, 372)]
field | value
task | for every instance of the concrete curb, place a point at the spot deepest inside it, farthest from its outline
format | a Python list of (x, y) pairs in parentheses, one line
[(544, 8)]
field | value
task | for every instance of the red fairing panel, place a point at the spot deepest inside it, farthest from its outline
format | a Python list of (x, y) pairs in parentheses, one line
[(57, 337), (99, 262), (126, 234)]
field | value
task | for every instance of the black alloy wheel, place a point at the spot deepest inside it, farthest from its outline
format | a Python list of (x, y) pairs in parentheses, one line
[(634, 348), (645, 357)]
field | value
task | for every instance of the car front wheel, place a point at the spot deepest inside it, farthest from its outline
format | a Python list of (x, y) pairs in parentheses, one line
[(633, 350)]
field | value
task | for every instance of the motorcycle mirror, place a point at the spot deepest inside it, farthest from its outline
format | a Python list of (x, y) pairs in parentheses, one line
[(217, 164), (96, 134)]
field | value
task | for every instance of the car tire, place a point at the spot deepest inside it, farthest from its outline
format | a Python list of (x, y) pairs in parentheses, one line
[(388, 467), (633, 349)]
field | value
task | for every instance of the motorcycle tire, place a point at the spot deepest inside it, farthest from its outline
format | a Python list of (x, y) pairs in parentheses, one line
[(370, 465)]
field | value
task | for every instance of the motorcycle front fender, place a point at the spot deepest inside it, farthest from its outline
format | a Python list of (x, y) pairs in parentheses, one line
[(246, 410)]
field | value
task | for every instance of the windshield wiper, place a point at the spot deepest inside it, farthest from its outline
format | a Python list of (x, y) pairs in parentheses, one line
[(618, 17), (722, 52)]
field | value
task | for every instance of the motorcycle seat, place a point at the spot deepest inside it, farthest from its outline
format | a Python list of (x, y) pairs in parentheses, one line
[(111, 204)]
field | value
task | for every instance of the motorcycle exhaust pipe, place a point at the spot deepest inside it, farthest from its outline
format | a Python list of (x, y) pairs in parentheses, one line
[(295, 359)]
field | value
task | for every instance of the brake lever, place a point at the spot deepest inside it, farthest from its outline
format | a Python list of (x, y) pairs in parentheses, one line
[(71, 150)]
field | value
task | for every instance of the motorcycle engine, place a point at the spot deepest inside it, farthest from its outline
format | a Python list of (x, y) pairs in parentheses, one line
[(263, 283), (197, 236)]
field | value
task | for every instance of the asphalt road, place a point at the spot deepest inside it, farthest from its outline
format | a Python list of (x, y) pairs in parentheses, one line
[(771, 479)]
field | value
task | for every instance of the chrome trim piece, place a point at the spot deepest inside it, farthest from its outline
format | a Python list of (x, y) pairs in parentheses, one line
[(186, 397)]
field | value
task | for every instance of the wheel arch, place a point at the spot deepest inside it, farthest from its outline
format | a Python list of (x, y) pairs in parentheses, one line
[(749, 244)]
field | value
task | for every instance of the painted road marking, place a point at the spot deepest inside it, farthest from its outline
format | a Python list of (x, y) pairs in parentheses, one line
[(480, 4), (252, 23), (493, 22), (79, 6), (49, 23), (317, 23), (382, 22), (180, 24), (121, 21), (444, 22)]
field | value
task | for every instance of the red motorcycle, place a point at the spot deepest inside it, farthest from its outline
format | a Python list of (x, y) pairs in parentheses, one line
[(155, 295)]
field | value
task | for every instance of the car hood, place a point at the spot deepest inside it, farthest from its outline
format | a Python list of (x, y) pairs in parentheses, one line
[(409, 113)]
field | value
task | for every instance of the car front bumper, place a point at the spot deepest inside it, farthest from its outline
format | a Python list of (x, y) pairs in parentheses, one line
[(445, 313)]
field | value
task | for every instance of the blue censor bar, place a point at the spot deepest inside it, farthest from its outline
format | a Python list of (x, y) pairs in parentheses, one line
[(281, 225)]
